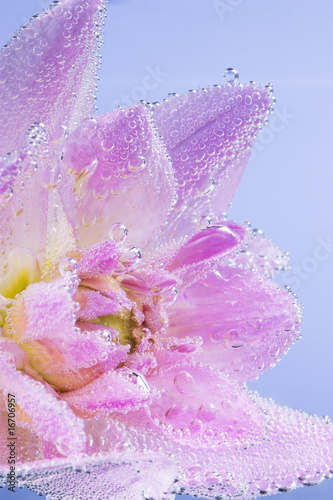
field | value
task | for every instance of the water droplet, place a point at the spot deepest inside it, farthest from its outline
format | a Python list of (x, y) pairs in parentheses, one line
[(63, 445), (217, 336), (184, 383), (68, 266), (140, 381), (204, 221), (100, 191), (129, 260), (118, 232), (231, 75), (38, 51), (137, 164), (288, 325), (107, 145), (51, 178), (169, 298), (234, 340), (274, 351), (207, 187), (90, 124), (105, 335)]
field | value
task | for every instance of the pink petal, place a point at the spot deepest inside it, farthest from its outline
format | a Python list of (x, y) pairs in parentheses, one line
[(47, 71), (202, 407), (209, 134), (246, 321), (114, 391), (29, 199), (100, 259), (115, 477), (297, 450), (43, 413), (44, 326), (94, 304), (120, 160), (209, 243), (260, 255)]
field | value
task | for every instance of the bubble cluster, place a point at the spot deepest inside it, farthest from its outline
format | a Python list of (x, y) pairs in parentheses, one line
[(46, 77)]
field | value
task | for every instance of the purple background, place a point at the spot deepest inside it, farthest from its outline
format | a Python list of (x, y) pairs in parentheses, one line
[(287, 188)]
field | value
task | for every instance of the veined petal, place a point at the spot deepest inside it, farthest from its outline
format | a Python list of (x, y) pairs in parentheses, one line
[(123, 176), (47, 71), (209, 134), (246, 321)]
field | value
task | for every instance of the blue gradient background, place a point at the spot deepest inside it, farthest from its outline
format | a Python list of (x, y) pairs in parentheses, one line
[(287, 188)]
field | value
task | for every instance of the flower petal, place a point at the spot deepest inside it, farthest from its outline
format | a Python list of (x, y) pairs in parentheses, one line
[(246, 321), (260, 255), (208, 244), (121, 478), (43, 324), (115, 391), (209, 134), (47, 71), (202, 407), (298, 450), (123, 174), (40, 411), (100, 259)]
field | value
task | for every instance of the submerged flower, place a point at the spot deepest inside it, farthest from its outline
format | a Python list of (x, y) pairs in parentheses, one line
[(132, 312)]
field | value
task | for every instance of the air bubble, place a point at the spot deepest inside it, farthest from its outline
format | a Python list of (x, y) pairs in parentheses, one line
[(107, 145), (118, 232), (137, 164), (204, 221), (184, 383), (68, 265), (231, 75), (129, 260)]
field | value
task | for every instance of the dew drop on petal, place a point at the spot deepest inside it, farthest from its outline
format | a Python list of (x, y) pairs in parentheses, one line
[(105, 335), (184, 383), (204, 221), (107, 145), (137, 164), (118, 232), (68, 266), (63, 445), (130, 259), (234, 340), (217, 336)]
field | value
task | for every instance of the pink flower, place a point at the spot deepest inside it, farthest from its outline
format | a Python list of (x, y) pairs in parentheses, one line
[(132, 312)]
